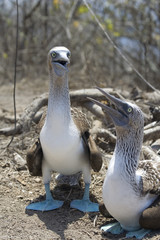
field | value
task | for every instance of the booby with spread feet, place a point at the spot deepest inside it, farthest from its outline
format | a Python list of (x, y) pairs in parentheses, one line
[(130, 186), (66, 144)]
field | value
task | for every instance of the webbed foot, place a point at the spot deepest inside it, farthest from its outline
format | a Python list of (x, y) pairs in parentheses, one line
[(139, 234), (114, 228), (85, 205), (46, 205)]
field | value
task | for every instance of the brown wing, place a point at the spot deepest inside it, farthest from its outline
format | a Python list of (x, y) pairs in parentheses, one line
[(34, 159), (95, 155), (83, 125), (150, 176), (41, 121), (35, 155), (150, 217)]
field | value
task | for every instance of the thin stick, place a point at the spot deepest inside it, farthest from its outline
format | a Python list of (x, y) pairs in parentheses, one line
[(15, 74), (117, 49)]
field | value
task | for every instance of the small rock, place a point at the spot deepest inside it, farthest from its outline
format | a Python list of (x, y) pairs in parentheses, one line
[(37, 180), (20, 197), (20, 162)]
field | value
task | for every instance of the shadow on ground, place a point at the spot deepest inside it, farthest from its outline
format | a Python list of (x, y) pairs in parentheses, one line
[(58, 220)]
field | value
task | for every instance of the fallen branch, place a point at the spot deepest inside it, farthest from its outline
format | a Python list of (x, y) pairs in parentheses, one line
[(149, 153), (93, 108), (25, 121), (104, 133), (150, 125), (78, 98), (152, 133)]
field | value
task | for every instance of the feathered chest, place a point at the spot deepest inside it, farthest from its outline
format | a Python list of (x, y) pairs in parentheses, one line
[(59, 139), (62, 148)]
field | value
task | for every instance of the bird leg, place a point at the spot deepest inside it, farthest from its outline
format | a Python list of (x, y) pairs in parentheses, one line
[(85, 205), (48, 204)]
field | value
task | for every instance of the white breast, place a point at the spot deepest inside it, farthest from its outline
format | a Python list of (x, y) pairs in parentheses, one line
[(63, 148), (122, 201)]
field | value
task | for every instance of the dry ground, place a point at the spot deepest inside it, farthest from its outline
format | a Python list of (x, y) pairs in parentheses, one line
[(18, 188)]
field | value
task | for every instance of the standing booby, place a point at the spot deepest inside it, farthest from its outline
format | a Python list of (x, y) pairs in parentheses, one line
[(129, 186), (67, 146)]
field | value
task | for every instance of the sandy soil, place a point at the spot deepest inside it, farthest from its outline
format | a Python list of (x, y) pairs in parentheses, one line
[(18, 188)]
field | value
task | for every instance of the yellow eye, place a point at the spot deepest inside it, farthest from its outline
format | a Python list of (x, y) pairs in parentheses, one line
[(129, 109), (68, 54), (53, 54)]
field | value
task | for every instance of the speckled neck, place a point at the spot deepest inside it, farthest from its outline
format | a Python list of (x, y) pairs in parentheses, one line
[(58, 101), (127, 151)]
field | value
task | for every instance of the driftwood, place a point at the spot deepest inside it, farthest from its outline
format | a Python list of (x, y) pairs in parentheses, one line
[(150, 125), (27, 117), (152, 133), (79, 99), (149, 153), (152, 97), (104, 133)]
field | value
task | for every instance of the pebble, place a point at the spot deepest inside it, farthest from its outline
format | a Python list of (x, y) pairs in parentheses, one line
[(20, 163), (37, 180)]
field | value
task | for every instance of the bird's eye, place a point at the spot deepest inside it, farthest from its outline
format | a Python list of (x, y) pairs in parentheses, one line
[(68, 54), (129, 110), (53, 54)]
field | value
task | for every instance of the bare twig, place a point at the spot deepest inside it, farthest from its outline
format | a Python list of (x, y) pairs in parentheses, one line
[(15, 71), (32, 10)]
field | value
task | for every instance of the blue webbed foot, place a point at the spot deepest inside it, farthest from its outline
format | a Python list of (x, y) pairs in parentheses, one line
[(139, 234), (85, 205), (46, 205), (114, 228)]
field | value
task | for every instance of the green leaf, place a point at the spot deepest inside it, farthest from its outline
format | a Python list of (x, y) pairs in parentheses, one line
[(5, 55), (82, 9), (109, 24), (116, 34)]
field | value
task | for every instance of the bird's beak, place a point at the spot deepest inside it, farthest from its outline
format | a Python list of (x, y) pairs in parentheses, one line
[(118, 113), (60, 66)]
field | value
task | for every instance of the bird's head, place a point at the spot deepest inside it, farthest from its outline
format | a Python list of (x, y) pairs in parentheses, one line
[(58, 60), (123, 114)]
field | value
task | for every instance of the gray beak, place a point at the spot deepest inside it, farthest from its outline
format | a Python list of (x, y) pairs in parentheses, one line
[(119, 114)]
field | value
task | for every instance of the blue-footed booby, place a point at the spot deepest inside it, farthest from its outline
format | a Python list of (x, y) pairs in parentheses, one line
[(66, 145), (130, 186)]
